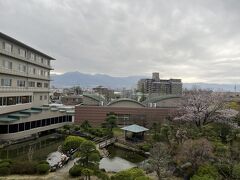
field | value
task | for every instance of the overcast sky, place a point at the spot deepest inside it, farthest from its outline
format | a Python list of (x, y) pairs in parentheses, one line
[(198, 41)]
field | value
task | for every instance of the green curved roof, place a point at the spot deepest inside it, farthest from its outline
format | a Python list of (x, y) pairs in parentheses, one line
[(160, 98), (125, 99)]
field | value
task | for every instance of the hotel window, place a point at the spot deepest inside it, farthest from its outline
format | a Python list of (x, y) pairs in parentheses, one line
[(3, 129), (33, 57), (6, 82), (22, 68), (21, 127), (38, 59), (7, 64), (42, 73), (42, 60), (38, 72), (45, 85), (31, 84), (20, 83), (7, 47), (11, 101), (33, 124), (39, 84), (39, 123), (40, 98), (25, 99), (21, 52), (46, 73), (27, 125), (45, 97), (30, 70)]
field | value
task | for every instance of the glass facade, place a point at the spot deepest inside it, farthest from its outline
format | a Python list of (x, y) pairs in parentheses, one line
[(13, 100), (14, 128)]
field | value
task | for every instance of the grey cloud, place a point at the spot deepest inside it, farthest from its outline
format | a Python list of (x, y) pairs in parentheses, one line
[(188, 39)]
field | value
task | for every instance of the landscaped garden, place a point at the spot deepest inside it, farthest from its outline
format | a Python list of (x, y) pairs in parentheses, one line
[(201, 141)]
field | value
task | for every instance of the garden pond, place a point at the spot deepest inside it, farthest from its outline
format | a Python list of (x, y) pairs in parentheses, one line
[(120, 159), (40, 149)]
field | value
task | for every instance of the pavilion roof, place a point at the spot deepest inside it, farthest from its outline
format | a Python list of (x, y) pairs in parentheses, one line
[(135, 128)]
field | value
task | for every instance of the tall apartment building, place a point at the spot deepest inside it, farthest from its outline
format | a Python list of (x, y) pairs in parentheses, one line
[(24, 92), (160, 86)]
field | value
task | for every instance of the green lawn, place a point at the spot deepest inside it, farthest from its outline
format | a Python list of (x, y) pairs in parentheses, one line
[(117, 132)]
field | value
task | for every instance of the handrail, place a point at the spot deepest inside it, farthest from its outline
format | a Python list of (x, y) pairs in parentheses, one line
[(107, 142)]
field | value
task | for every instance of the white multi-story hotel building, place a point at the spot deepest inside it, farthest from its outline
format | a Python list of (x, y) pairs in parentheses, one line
[(24, 92)]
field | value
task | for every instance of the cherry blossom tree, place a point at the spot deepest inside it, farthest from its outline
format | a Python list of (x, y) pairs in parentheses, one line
[(159, 159), (194, 153), (202, 107)]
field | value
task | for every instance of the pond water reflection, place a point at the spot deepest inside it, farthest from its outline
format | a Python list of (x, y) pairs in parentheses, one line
[(40, 148), (120, 159)]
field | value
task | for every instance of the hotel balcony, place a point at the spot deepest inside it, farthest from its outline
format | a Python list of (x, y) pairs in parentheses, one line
[(23, 89), (17, 56), (23, 74)]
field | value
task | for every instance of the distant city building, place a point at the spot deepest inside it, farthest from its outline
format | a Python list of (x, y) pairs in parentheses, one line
[(107, 93), (72, 99), (24, 92), (85, 99), (160, 86)]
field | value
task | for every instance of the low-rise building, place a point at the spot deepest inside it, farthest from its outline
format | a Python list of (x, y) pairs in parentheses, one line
[(127, 111)]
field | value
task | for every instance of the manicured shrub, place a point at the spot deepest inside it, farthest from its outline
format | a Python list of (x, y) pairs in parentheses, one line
[(72, 142), (142, 178), (4, 171), (236, 171), (204, 177), (224, 169), (43, 168), (122, 175), (23, 167), (5, 167), (4, 164), (136, 172), (220, 149), (6, 160), (101, 175), (208, 170), (75, 171), (130, 174), (145, 147)]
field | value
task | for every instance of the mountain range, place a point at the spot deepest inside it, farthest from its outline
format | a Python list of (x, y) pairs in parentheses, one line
[(70, 79)]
